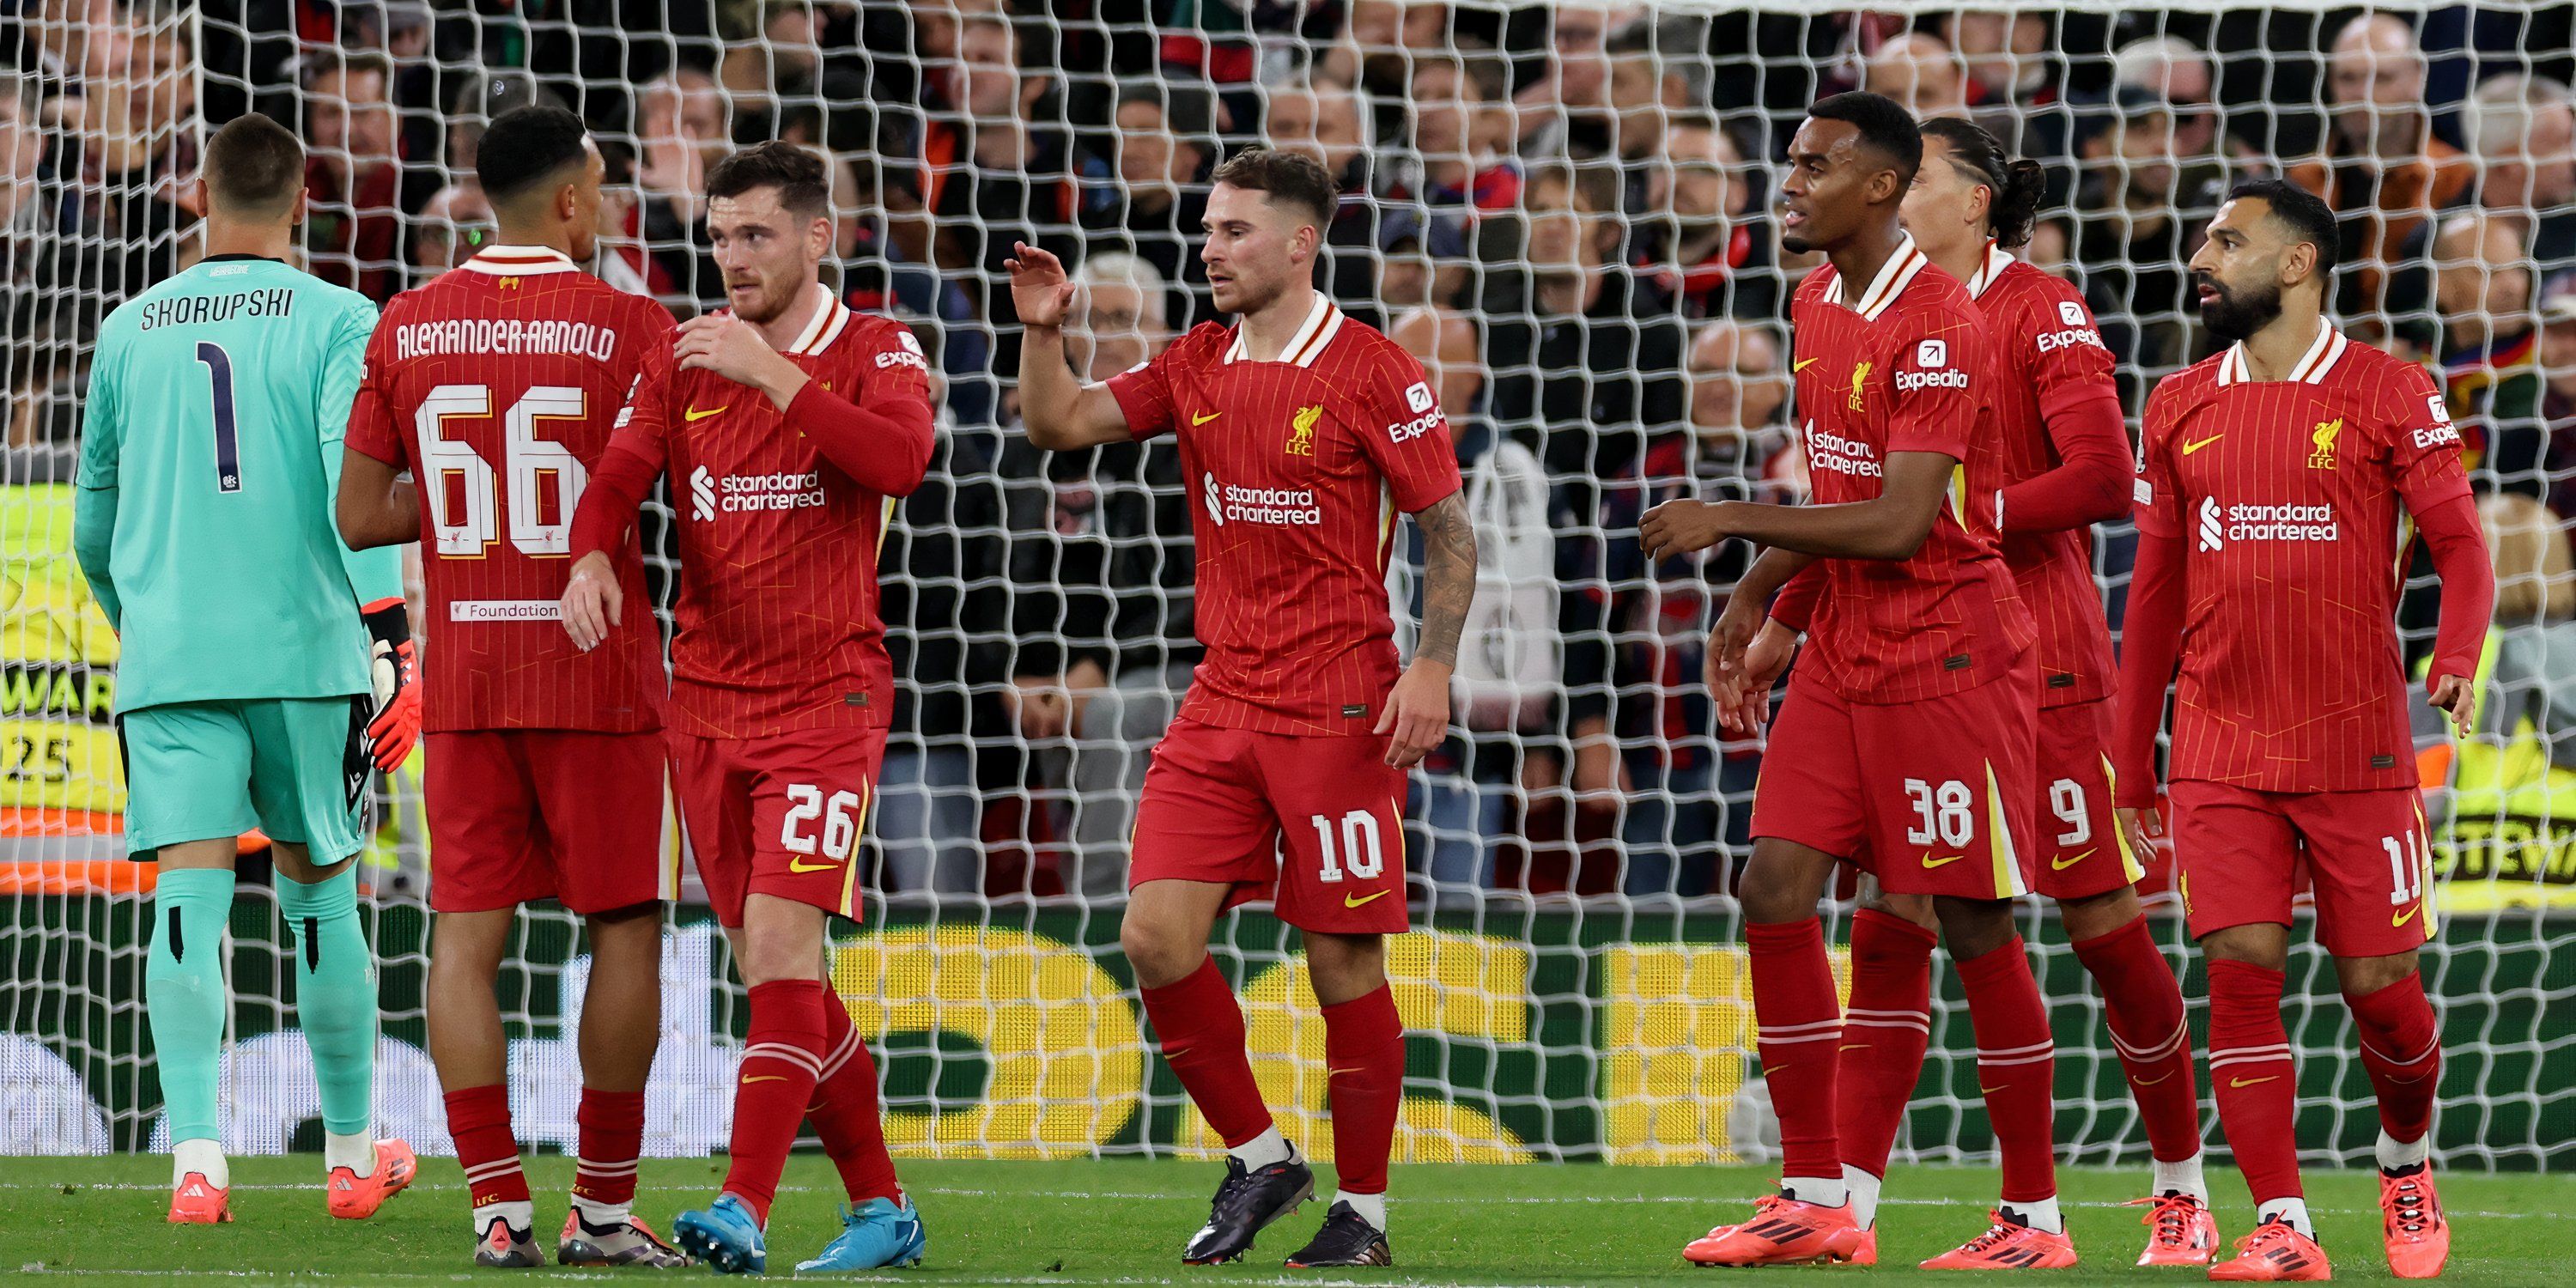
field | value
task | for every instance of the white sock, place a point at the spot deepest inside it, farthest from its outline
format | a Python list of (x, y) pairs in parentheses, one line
[(2394, 1153), (601, 1216), (2293, 1211), (1371, 1207), (2182, 1178), (1863, 1188), (1263, 1150), (356, 1151), (204, 1157), (1816, 1189), (520, 1213), (2042, 1215)]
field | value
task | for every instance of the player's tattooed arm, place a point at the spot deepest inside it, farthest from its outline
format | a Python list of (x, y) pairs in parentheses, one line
[(1448, 576)]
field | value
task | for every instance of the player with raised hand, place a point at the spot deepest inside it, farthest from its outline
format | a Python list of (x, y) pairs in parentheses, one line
[(1283, 777), (494, 386), (1907, 740), (265, 666), (788, 424), (2269, 485), (2066, 462)]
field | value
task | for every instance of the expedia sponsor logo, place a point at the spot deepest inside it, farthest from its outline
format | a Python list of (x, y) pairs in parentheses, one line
[(2056, 340), (2442, 435), (1405, 431), (909, 355), (1827, 450), (1909, 381), (710, 493), (2225, 525), (1284, 507)]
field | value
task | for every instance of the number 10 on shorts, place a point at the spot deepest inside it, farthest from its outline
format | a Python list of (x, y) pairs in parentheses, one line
[(1358, 846)]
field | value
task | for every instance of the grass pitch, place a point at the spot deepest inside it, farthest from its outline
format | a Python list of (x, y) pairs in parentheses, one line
[(100, 1221)]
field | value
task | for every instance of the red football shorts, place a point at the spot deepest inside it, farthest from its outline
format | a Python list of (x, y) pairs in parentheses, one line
[(780, 815), (2079, 850), (1932, 797), (567, 814), (2243, 853), (1315, 824)]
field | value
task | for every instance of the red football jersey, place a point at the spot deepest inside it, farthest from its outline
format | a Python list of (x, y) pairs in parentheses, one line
[(777, 615), (2285, 495), (2049, 356), (1299, 466), (496, 385), (1905, 368)]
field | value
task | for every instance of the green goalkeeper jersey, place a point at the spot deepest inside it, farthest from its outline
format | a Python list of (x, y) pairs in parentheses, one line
[(210, 461)]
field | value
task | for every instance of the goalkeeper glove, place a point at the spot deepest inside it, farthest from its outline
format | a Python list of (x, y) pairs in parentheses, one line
[(396, 725)]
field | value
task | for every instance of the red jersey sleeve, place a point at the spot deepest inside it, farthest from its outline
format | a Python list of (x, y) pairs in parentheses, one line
[(1144, 392), (2067, 363), (2423, 445), (634, 457), (882, 435), (373, 430), (1405, 432), (2159, 506), (1939, 363)]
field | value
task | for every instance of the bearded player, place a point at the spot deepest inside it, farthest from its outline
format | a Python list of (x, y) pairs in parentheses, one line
[(2269, 484), (1906, 743), (788, 425), (1284, 775), (2066, 467), (494, 386)]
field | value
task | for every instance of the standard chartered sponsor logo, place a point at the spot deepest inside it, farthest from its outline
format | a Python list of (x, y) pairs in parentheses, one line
[(2223, 525), (1827, 450), (741, 493), (702, 494), (1288, 507)]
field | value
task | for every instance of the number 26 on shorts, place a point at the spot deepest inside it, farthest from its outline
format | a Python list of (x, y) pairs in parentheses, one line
[(839, 816)]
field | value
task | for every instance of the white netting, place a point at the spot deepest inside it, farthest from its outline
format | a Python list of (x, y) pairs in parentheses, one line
[(1563, 209)]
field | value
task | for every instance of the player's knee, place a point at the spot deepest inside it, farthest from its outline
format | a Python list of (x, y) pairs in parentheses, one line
[(1973, 927), (2094, 916), (2264, 946), (1916, 908), (1345, 967), (2363, 976), (1161, 955)]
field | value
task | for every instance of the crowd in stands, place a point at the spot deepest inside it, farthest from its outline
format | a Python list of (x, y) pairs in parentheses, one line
[(1562, 208)]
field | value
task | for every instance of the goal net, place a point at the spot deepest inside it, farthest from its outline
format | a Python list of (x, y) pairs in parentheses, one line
[(1565, 210)]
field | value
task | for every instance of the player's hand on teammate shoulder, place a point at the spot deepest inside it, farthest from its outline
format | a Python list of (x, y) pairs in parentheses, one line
[(1038, 286), (734, 349), (592, 600), (1417, 713), (1683, 527)]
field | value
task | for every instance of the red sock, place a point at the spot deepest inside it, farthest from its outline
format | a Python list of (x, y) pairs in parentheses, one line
[(612, 1137), (2251, 1076), (2143, 1002), (1885, 1030), (1364, 1085), (1797, 1024), (2401, 1046), (1201, 1029), (2016, 1061), (845, 1112), (478, 1120), (773, 1086)]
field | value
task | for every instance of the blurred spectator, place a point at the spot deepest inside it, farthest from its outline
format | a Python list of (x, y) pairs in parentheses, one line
[(1697, 227), (2558, 394), (1326, 124), (997, 172), (1154, 205), (2177, 72), (354, 227), (1101, 641), (1372, 55), (1659, 67), (2530, 678), (2482, 286), (456, 223), (2012, 79), (1920, 71), (2135, 227), (1460, 161), (1738, 399), (2384, 172), (1566, 111), (2522, 129), (679, 132)]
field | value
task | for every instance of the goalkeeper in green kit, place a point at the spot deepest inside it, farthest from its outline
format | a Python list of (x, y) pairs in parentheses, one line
[(265, 668)]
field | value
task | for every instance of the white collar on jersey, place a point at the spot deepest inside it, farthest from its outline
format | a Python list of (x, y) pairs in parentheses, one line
[(1893, 277), (520, 261), (1323, 322), (829, 321), (2312, 367), (1997, 260)]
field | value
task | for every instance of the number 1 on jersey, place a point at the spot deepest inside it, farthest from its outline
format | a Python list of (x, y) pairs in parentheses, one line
[(219, 382)]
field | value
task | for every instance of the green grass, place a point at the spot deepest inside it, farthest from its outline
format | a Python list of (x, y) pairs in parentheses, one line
[(1123, 1223)]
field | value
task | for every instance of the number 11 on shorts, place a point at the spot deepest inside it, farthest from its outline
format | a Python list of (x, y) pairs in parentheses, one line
[(1358, 845)]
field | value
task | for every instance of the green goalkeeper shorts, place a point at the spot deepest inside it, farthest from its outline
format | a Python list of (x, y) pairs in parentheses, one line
[(295, 768)]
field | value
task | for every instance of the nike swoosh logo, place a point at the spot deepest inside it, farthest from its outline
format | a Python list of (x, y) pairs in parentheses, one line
[(1801, 365), (1992, 1090), (693, 415), (1335, 1073), (2252, 1082), (2396, 919), (2189, 448), (1197, 419), (1355, 900), (1930, 862), (1853, 1046), (2149, 1082), (2060, 865), (764, 1077), (800, 865)]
